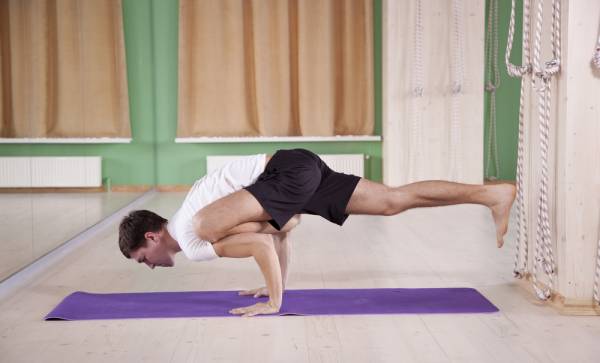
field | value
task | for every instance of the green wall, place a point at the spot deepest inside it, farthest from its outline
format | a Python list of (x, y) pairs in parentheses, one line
[(151, 30), (507, 98)]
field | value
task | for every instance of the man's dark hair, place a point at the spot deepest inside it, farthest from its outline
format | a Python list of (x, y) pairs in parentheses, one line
[(134, 226)]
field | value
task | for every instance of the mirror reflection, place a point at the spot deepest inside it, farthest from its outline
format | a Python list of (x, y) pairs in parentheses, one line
[(35, 223)]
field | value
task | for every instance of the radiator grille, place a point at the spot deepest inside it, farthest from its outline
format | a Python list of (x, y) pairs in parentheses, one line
[(47, 171)]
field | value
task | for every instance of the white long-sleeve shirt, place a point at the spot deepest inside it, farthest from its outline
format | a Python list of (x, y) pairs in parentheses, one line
[(220, 183)]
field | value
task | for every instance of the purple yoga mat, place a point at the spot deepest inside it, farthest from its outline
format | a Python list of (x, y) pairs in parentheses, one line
[(85, 306)]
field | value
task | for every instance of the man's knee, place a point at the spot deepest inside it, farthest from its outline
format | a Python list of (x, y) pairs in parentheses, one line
[(293, 222), (397, 201), (389, 208)]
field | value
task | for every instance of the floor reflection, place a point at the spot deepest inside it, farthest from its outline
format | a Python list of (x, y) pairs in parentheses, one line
[(32, 224)]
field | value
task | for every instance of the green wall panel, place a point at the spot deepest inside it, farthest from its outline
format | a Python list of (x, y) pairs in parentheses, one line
[(507, 98)]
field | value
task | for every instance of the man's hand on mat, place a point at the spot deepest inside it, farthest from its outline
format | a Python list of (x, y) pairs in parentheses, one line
[(258, 292), (256, 309)]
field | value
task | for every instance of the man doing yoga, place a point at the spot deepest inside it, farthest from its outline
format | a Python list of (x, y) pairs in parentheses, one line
[(246, 208)]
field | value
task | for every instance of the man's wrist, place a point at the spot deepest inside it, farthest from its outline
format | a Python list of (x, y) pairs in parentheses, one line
[(274, 304)]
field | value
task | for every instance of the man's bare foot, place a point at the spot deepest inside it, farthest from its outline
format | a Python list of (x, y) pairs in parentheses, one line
[(501, 198)]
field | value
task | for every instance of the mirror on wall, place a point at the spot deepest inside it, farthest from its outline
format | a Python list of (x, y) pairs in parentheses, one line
[(69, 156), (51, 193)]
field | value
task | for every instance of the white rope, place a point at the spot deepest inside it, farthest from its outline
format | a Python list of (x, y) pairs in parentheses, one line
[(596, 63), (521, 256), (457, 85), (543, 251), (555, 62), (596, 56), (513, 70), (417, 89), (538, 256), (544, 255), (491, 85)]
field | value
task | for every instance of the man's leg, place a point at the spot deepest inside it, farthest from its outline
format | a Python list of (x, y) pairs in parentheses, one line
[(264, 227), (378, 199), (212, 222)]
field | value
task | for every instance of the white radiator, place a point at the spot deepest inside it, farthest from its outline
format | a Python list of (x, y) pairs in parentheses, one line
[(343, 163), (50, 171)]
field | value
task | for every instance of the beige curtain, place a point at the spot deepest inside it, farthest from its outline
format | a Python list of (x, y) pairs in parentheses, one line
[(63, 69), (275, 68)]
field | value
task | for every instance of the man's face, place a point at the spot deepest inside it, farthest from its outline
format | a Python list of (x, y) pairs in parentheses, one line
[(154, 252)]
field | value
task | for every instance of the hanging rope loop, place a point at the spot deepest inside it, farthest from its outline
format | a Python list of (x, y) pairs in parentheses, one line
[(518, 274), (457, 80), (544, 255), (597, 273), (456, 88), (490, 87), (541, 82), (541, 78), (546, 264), (521, 246), (418, 92), (551, 68), (596, 58)]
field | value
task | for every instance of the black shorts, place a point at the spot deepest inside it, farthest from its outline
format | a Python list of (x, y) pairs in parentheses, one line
[(298, 181)]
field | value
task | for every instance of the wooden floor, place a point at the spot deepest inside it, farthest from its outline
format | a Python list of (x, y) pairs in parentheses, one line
[(436, 247)]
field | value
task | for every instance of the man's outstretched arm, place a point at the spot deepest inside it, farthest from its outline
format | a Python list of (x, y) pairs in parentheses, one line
[(260, 246)]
